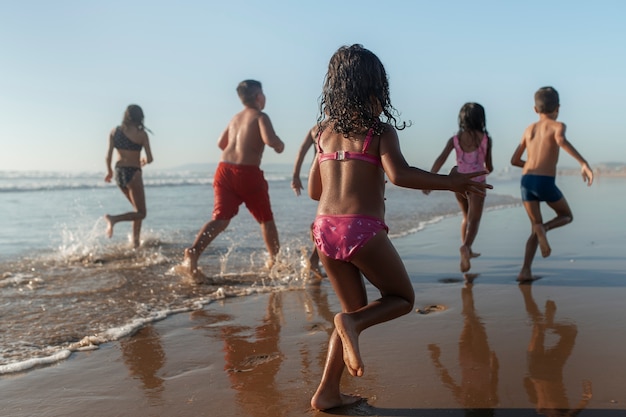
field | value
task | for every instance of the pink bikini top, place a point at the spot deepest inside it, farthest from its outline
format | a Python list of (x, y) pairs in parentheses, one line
[(471, 161), (345, 155)]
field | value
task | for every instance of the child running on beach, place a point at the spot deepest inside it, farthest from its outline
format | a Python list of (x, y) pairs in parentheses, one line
[(542, 141), (129, 139), (296, 186), (238, 178), (355, 149), (472, 145)]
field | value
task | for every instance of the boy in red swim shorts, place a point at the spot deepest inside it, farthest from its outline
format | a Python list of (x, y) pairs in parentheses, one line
[(238, 178)]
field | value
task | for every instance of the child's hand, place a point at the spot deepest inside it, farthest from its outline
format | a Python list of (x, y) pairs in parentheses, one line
[(108, 177), (587, 174), (296, 185), (463, 183)]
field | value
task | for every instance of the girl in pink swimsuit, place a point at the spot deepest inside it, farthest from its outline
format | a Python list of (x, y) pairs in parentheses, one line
[(356, 151), (472, 145)]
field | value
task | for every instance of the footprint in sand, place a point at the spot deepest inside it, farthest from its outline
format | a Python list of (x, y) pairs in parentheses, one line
[(431, 309)]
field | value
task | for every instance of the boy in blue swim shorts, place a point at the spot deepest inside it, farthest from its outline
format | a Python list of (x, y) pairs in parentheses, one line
[(542, 141)]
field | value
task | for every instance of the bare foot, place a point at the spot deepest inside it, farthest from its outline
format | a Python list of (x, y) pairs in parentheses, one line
[(109, 232), (350, 341), (525, 276), (191, 257), (540, 232), (431, 309), (474, 254), (317, 272), (269, 264), (322, 402), (465, 258), (469, 278)]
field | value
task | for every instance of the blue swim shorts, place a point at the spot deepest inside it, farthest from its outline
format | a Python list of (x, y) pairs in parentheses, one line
[(540, 188)]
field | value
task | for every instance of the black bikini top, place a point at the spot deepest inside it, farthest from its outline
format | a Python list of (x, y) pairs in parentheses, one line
[(121, 141)]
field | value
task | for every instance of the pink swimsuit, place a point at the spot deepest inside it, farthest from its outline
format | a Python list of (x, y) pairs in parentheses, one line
[(340, 236), (471, 161)]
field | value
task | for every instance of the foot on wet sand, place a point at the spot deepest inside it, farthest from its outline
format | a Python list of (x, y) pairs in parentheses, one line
[(431, 309), (540, 232), (525, 276), (317, 272), (320, 402), (465, 258), (109, 232), (191, 258), (350, 341), (469, 278)]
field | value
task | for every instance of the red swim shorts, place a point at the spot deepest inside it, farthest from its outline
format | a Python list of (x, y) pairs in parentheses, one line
[(235, 184)]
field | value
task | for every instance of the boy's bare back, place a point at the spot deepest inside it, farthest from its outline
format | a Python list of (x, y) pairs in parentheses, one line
[(245, 137), (543, 140)]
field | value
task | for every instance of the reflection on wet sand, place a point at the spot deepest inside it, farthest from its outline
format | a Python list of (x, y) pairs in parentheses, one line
[(144, 356), (477, 391), (544, 382), (252, 354)]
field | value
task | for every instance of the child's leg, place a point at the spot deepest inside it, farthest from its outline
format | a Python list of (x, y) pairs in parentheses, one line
[(137, 197), (472, 208), (475, 213), (464, 206), (536, 221), (134, 192), (380, 263), (563, 214), (270, 236), (205, 236), (382, 266), (349, 286)]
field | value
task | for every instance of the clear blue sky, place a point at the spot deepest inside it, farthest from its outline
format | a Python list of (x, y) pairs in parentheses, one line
[(69, 68)]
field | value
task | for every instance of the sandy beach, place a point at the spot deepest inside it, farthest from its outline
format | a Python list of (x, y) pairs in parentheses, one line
[(491, 348)]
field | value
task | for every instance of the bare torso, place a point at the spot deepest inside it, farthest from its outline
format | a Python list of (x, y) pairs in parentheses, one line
[(130, 158), (242, 141), (542, 147), (351, 186)]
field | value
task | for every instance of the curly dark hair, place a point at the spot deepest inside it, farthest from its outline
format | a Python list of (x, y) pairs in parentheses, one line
[(356, 92)]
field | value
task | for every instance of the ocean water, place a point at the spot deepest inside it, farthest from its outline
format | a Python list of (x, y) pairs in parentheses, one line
[(65, 287)]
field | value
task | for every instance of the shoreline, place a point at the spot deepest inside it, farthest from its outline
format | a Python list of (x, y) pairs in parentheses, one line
[(494, 348)]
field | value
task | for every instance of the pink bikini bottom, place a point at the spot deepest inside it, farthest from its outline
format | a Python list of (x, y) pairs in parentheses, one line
[(341, 236)]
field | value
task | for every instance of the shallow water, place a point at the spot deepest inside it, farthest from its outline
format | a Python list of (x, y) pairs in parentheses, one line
[(64, 286)]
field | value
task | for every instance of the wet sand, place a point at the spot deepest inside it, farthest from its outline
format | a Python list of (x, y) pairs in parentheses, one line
[(491, 348)]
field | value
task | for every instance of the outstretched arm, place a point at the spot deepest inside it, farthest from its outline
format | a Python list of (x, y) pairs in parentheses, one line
[(441, 159), (268, 135), (562, 141), (401, 174), (516, 159), (296, 184), (488, 159)]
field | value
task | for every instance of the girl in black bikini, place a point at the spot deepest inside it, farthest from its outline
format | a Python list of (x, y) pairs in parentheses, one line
[(129, 139)]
